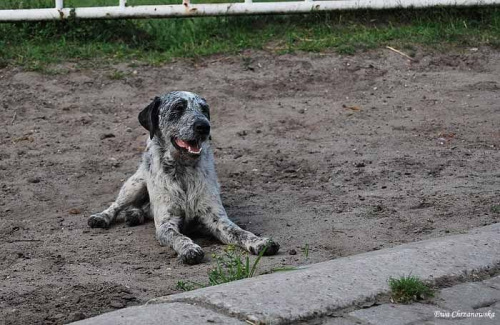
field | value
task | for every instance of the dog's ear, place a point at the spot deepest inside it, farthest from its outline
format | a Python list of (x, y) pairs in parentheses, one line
[(149, 117)]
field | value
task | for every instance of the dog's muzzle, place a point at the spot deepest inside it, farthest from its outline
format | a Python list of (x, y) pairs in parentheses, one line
[(201, 129), (194, 147)]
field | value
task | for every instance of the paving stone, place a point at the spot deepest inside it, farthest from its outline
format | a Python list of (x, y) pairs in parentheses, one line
[(311, 291), (468, 296), (391, 314), (493, 282), (437, 321), (463, 321), (330, 320), (492, 317), (315, 290), (174, 313), (339, 321), (492, 313)]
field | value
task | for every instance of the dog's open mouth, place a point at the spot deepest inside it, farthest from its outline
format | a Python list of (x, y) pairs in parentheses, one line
[(191, 147)]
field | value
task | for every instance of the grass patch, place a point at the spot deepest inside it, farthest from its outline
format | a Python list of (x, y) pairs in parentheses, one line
[(305, 250), (407, 289), (117, 75), (495, 208), (284, 269), (35, 45), (231, 266)]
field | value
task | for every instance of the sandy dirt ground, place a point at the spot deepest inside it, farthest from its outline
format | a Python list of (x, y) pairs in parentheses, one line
[(342, 154)]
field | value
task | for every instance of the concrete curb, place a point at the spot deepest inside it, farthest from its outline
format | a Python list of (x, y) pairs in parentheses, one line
[(319, 289)]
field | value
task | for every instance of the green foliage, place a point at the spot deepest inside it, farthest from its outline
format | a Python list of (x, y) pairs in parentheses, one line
[(284, 269), (495, 208), (188, 285), (305, 250), (409, 289), (38, 44), (117, 75), (231, 266)]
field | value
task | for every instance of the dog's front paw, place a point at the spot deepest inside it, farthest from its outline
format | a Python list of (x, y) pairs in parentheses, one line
[(98, 220), (192, 255), (270, 247)]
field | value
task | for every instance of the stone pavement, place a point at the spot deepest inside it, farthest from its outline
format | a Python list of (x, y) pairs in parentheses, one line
[(312, 294), (463, 304)]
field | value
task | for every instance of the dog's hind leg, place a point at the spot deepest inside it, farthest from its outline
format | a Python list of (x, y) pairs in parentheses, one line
[(133, 192)]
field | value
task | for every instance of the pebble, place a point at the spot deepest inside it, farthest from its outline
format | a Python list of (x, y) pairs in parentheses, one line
[(34, 180), (107, 136), (77, 316), (292, 252), (129, 297), (116, 304)]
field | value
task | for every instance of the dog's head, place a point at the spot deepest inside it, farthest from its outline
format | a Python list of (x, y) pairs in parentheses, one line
[(180, 118)]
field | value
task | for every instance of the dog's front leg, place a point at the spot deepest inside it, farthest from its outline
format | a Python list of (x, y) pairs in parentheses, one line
[(229, 233), (168, 233)]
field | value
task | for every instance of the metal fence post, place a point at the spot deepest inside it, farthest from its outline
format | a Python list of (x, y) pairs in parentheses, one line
[(59, 4)]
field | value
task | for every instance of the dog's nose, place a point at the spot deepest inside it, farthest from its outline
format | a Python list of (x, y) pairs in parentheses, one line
[(202, 128)]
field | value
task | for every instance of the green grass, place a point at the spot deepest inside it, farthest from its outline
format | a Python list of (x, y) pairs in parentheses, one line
[(284, 269), (233, 265), (37, 45), (117, 75), (305, 250), (407, 289), (495, 208)]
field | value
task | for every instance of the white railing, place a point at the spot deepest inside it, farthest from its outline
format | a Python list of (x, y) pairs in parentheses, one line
[(248, 7)]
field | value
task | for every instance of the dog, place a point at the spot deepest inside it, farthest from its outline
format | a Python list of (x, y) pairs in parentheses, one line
[(176, 183)]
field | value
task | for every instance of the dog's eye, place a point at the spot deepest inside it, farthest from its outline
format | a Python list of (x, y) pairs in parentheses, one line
[(205, 110), (177, 109)]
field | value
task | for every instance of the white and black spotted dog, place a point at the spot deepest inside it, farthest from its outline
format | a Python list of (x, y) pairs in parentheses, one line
[(176, 183)]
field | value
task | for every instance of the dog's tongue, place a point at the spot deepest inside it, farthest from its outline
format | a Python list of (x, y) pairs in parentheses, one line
[(190, 148)]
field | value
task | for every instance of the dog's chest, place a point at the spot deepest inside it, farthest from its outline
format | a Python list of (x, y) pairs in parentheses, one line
[(197, 194), (189, 190)]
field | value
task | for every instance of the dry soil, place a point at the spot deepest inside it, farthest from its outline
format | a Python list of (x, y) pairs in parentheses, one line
[(329, 155)]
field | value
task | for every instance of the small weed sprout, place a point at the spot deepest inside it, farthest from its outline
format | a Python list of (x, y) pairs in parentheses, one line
[(284, 269), (247, 63), (231, 266), (409, 289), (188, 286), (305, 250), (117, 75), (495, 208)]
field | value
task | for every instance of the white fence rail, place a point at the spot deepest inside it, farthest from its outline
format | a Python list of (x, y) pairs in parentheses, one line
[(186, 9)]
